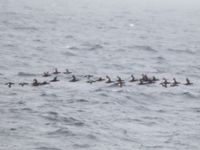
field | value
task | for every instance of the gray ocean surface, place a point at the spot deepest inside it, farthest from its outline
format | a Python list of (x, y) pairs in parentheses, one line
[(98, 37)]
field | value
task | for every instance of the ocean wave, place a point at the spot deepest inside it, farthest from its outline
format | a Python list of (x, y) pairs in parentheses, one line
[(69, 54), (61, 131), (145, 48), (81, 145), (47, 148), (187, 51), (189, 95), (25, 74), (26, 28)]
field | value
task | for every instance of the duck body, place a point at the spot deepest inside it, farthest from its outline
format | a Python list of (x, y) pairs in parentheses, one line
[(9, 84), (88, 76), (23, 84), (56, 71), (100, 79), (133, 79), (74, 79), (109, 80), (154, 78), (54, 80), (174, 83), (151, 81), (91, 81), (67, 71), (144, 77), (188, 82), (164, 83), (46, 74), (119, 79), (141, 82), (120, 84), (35, 82)]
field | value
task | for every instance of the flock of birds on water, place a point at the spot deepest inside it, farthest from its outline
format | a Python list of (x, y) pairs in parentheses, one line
[(143, 80)]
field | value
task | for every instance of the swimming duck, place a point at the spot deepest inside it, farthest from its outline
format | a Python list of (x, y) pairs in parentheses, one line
[(119, 79), (150, 81), (56, 71), (174, 83), (154, 78), (100, 79), (46, 74), (54, 80), (142, 82), (91, 81), (120, 83), (188, 82), (74, 79), (133, 79), (174, 79), (108, 80), (145, 77), (35, 82), (165, 83), (9, 84), (23, 83), (88, 76), (67, 71)]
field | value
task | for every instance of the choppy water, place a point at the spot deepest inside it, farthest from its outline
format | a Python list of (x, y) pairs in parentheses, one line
[(99, 38)]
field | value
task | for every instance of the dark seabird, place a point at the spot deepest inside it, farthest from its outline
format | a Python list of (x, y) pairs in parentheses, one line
[(74, 79), (174, 83), (88, 76), (9, 84), (119, 79), (91, 81), (46, 74), (67, 71), (100, 79), (23, 83), (150, 81), (56, 71), (120, 83), (54, 80), (141, 82), (188, 82), (145, 77), (133, 79), (154, 78), (108, 80), (165, 81), (35, 82), (164, 84)]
